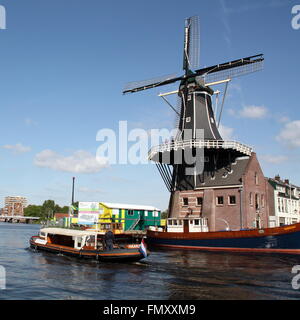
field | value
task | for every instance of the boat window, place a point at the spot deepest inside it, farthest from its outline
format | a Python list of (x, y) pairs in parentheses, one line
[(180, 222), (170, 222), (175, 222), (42, 234), (90, 240), (130, 212), (191, 221), (196, 222)]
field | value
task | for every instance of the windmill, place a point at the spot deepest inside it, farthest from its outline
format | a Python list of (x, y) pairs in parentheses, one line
[(195, 112)]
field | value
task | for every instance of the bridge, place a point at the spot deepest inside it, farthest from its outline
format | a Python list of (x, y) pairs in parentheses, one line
[(17, 219)]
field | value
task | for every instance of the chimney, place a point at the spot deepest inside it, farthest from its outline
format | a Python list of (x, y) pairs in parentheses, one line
[(287, 181), (277, 178)]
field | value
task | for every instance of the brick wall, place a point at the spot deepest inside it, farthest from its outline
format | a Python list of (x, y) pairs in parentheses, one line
[(228, 213), (255, 188)]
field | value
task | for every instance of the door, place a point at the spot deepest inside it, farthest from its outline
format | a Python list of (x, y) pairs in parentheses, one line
[(186, 226)]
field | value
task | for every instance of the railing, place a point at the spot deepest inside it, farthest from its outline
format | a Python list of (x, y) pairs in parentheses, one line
[(135, 223), (18, 217), (208, 144)]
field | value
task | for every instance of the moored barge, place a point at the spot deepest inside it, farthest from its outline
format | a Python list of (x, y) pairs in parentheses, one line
[(193, 234)]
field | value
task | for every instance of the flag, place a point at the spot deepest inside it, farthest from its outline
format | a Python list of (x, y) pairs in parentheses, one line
[(143, 248)]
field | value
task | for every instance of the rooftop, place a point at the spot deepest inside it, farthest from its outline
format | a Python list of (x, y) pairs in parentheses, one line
[(129, 206)]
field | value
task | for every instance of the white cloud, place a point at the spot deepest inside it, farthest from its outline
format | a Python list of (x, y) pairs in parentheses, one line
[(273, 159), (226, 132), (17, 148), (290, 134), (79, 162), (253, 112)]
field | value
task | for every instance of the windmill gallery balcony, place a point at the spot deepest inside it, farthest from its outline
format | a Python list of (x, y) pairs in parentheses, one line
[(160, 152)]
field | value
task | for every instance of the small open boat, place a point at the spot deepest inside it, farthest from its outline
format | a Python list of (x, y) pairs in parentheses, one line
[(86, 244)]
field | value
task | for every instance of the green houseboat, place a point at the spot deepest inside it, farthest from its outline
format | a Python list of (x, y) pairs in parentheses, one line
[(131, 217)]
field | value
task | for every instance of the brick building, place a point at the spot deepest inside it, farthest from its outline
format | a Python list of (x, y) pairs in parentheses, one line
[(14, 206), (232, 199)]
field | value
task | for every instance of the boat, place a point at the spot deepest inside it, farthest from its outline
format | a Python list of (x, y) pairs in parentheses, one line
[(193, 234), (87, 244)]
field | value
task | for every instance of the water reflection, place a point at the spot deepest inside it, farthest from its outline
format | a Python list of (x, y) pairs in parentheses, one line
[(171, 274)]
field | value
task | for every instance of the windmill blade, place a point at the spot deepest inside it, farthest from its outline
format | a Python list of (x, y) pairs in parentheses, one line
[(191, 44), (231, 69), (151, 83)]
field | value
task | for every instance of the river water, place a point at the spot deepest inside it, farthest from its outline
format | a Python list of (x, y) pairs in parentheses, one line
[(174, 274)]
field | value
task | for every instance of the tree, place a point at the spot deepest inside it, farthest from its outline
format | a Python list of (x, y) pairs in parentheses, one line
[(45, 211), (164, 214), (33, 211)]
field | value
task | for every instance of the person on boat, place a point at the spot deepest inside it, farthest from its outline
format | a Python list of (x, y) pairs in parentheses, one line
[(109, 240)]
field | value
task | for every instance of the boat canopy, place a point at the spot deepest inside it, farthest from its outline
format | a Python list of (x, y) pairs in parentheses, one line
[(67, 232)]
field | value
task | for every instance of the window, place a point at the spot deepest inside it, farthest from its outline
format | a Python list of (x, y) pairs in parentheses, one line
[(257, 204), (196, 223), (232, 200), (130, 212), (256, 178), (199, 201), (262, 200), (220, 201), (251, 199), (185, 201), (146, 213), (170, 222)]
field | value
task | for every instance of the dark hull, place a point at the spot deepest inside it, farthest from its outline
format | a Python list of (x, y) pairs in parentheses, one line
[(284, 239), (115, 255)]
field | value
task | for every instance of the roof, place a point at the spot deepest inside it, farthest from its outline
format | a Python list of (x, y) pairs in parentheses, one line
[(223, 177), (282, 183), (67, 232), (129, 206)]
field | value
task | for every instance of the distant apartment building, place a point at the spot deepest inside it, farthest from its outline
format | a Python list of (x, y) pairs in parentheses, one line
[(284, 202), (14, 206)]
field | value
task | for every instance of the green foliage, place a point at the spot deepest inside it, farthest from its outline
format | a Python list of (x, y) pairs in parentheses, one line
[(45, 211), (164, 214)]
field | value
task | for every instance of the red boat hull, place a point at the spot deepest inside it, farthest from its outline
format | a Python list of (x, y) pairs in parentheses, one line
[(115, 255), (285, 239)]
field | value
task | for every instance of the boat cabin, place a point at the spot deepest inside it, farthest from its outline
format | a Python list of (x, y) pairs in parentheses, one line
[(187, 225), (76, 239)]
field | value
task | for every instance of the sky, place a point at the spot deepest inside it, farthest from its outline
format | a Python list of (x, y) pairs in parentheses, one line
[(64, 64)]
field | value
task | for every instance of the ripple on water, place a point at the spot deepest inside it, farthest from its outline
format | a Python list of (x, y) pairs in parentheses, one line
[(170, 274)]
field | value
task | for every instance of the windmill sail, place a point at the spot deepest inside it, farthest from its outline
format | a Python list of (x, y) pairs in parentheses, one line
[(232, 69), (191, 55), (151, 83)]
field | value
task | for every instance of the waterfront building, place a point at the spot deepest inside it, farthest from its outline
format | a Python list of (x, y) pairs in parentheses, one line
[(131, 217), (231, 199), (125, 216), (14, 205), (284, 202)]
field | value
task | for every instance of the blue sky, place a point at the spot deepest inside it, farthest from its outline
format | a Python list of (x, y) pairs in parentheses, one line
[(63, 66)]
